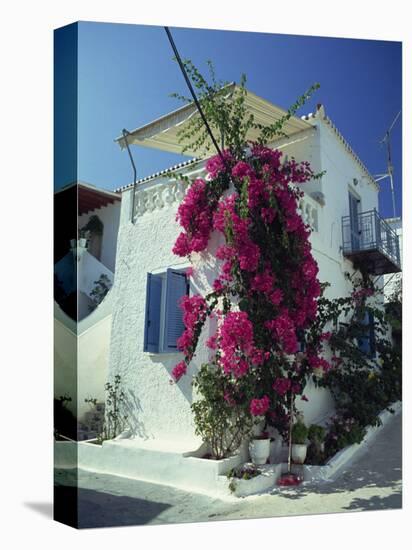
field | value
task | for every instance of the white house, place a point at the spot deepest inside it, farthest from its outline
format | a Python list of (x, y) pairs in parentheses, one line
[(342, 209), (85, 250)]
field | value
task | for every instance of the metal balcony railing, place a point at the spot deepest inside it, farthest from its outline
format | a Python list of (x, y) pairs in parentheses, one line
[(369, 233)]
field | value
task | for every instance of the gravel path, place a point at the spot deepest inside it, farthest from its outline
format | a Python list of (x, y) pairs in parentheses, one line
[(373, 482)]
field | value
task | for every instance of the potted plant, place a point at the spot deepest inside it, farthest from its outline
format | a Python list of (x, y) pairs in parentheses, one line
[(299, 442), (316, 450), (259, 448), (316, 436), (238, 476)]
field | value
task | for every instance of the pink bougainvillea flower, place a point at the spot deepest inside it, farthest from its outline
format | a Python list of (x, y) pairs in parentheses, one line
[(316, 362), (217, 165), (218, 286), (179, 370), (261, 202), (242, 169), (212, 342), (263, 282), (284, 330), (282, 385), (258, 407)]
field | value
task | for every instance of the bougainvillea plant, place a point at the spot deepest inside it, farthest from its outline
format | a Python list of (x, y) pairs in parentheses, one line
[(265, 293), (364, 380)]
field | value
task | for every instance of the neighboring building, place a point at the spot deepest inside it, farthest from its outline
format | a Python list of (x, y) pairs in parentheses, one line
[(342, 209), (393, 290), (393, 281), (85, 259)]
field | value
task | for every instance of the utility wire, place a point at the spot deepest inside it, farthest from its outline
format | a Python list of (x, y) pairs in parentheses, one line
[(193, 93)]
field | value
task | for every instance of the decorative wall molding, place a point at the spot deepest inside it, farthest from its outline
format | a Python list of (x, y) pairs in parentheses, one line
[(160, 195), (308, 209)]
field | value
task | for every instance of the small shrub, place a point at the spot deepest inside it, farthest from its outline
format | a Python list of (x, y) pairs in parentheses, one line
[(342, 433), (115, 421), (299, 433), (316, 434), (222, 425)]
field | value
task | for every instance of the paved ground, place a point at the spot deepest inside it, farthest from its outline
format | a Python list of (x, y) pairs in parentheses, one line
[(373, 482)]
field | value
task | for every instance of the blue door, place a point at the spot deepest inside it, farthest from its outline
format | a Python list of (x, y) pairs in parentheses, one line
[(354, 221)]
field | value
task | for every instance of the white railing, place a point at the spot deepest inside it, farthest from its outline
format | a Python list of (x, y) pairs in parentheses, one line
[(309, 210), (157, 194)]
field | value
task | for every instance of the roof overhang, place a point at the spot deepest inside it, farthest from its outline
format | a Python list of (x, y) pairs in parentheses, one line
[(162, 133), (89, 197), (92, 198)]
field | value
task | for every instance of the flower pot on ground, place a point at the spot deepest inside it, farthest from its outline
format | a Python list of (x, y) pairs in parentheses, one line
[(249, 479), (299, 442), (299, 453), (259, 449)]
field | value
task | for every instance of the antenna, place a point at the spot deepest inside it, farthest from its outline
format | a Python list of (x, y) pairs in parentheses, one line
[(389, 173)]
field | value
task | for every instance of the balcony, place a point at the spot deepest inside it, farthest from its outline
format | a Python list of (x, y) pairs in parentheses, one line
[(370, 243)]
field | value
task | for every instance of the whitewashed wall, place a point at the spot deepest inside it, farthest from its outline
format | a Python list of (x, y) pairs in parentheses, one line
[(158, 408), (161, 410), (81, 356)]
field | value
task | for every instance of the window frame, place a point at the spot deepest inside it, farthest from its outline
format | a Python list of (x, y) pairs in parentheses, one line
[(162, 273)]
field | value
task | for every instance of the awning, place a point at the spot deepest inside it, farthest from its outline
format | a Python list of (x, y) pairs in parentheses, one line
[(162, 132)]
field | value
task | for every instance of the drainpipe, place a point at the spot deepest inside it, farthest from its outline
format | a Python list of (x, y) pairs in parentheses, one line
[(125, 134)]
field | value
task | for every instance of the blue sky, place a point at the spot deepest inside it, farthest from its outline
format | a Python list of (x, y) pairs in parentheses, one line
[(126, 74)]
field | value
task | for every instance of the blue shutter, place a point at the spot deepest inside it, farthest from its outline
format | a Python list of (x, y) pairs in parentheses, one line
[(152, 320), (364, 343), (176, 287)]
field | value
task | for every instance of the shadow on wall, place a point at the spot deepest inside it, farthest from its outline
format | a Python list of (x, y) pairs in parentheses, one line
[(133, 408), (168, 361)]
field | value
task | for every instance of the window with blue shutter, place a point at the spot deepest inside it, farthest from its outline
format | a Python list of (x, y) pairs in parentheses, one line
[(152, 319), (366, 342), (176, 286)]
